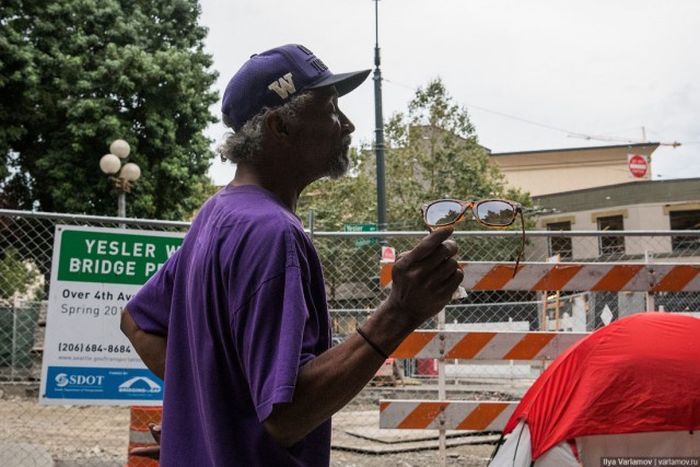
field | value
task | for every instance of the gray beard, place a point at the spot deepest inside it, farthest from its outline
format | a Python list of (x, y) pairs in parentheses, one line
[(339, 165)]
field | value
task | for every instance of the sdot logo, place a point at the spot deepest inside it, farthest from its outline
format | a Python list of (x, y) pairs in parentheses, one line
[(61, 380)]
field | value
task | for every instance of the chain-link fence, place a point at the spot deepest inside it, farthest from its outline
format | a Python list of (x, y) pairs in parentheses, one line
[(86, 435), (351, 272)]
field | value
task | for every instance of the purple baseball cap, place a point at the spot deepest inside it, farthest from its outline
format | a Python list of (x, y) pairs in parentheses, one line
[(271, 78)]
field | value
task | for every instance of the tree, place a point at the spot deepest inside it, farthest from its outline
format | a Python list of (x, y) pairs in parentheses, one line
[(349, 199), (17, 277), (432, 152), (77, 74), (336, 203)]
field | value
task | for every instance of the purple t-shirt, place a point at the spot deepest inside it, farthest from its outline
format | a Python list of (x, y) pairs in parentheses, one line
[(243, 306)]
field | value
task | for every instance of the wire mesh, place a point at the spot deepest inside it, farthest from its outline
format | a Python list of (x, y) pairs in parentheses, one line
[(89, 435)]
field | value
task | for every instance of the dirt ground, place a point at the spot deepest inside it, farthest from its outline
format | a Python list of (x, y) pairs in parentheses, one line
[(98, 437), (465, 456)]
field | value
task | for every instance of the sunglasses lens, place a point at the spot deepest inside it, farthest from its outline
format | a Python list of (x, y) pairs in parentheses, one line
[(495, 213), (442, 213)]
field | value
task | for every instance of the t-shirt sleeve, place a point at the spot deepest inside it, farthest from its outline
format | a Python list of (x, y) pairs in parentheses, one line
[(150, 307), (273, 338)]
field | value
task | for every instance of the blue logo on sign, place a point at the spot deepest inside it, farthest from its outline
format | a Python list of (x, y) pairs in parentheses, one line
[(61, 380), (103, 383)]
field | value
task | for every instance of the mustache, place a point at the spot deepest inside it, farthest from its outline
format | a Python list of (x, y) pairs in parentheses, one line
[(347, 139)]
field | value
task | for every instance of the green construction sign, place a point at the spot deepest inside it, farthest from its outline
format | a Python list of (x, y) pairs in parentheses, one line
[(362, 241), (110, 257)]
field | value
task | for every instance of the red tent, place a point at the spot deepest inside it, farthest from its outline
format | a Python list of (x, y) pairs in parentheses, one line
[(637, 375)]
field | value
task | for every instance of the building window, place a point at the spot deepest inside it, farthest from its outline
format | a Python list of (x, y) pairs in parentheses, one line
[(560, 245), (685, 220), (611, 245)]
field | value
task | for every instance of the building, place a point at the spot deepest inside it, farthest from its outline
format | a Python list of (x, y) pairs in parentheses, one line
[(561, 170), (604, 188), (645, 205)]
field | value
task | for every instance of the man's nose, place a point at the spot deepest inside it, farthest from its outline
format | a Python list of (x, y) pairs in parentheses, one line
[(347, 123)]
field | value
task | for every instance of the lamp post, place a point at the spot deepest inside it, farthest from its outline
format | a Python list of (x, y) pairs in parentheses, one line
[(123, 176), (379, 126)]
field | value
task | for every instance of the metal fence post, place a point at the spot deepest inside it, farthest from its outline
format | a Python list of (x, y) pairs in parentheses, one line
[(442, 389), (13, 357), (311, 220), (650, 298)]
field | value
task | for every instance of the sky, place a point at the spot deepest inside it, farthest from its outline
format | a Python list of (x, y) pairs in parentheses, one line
[(533, 74)]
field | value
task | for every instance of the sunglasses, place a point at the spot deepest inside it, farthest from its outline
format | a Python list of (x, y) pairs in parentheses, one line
[(497, 213)]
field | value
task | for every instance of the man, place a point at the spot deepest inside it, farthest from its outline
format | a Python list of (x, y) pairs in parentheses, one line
[(236, 321)]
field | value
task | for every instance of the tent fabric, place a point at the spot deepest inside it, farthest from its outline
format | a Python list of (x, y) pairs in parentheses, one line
[(638, 374), (659, 444), (515, 452)]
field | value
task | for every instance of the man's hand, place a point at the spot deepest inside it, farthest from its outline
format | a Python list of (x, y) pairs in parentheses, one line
[(424, 279), (152, 452)]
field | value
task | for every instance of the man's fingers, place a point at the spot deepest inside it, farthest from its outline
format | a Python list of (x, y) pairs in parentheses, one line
[(155, 431), (429, 244), (451, 283), (442, 253), (444, 271), (152, 452)]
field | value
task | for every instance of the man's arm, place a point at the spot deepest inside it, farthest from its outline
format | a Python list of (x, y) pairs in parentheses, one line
[(424, 280), (150, 347)]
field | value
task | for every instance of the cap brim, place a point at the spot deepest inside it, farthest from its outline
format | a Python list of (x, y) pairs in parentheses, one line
[(343, 82)]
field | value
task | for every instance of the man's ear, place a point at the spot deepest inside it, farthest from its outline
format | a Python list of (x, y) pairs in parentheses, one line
[(276, 126)]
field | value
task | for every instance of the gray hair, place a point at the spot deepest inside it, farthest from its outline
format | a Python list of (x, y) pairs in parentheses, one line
[(243, 145)]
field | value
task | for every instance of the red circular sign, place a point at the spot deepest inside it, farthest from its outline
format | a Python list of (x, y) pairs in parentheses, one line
[(638, 165)]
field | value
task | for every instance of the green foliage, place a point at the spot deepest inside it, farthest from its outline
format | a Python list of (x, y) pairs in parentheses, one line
[(77, 74), (346, 200), (432, 152), (16, 276), (336, 203)]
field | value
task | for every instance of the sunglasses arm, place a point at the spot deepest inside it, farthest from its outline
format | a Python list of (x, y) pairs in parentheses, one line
[(522, 244)]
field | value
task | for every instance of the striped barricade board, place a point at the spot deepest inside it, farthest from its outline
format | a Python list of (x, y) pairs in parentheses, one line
[(603, 277), (514, 345), (448, 415), (487, 345)]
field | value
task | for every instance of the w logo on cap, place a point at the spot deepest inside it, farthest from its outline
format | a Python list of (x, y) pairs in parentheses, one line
[(283, 86)]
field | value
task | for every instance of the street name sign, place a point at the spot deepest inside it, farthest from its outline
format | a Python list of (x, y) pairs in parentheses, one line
[(362, 241)]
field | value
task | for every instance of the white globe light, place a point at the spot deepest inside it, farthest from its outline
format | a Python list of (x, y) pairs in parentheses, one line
[(130, 172), (120, 148), (109, 164)]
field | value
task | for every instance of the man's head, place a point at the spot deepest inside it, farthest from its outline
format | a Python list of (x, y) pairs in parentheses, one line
[(271, 78), (282, 91)]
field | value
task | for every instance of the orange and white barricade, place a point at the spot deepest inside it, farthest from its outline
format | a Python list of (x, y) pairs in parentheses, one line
[(514, 345), (595, 277), (448, 415), (487, 345)]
